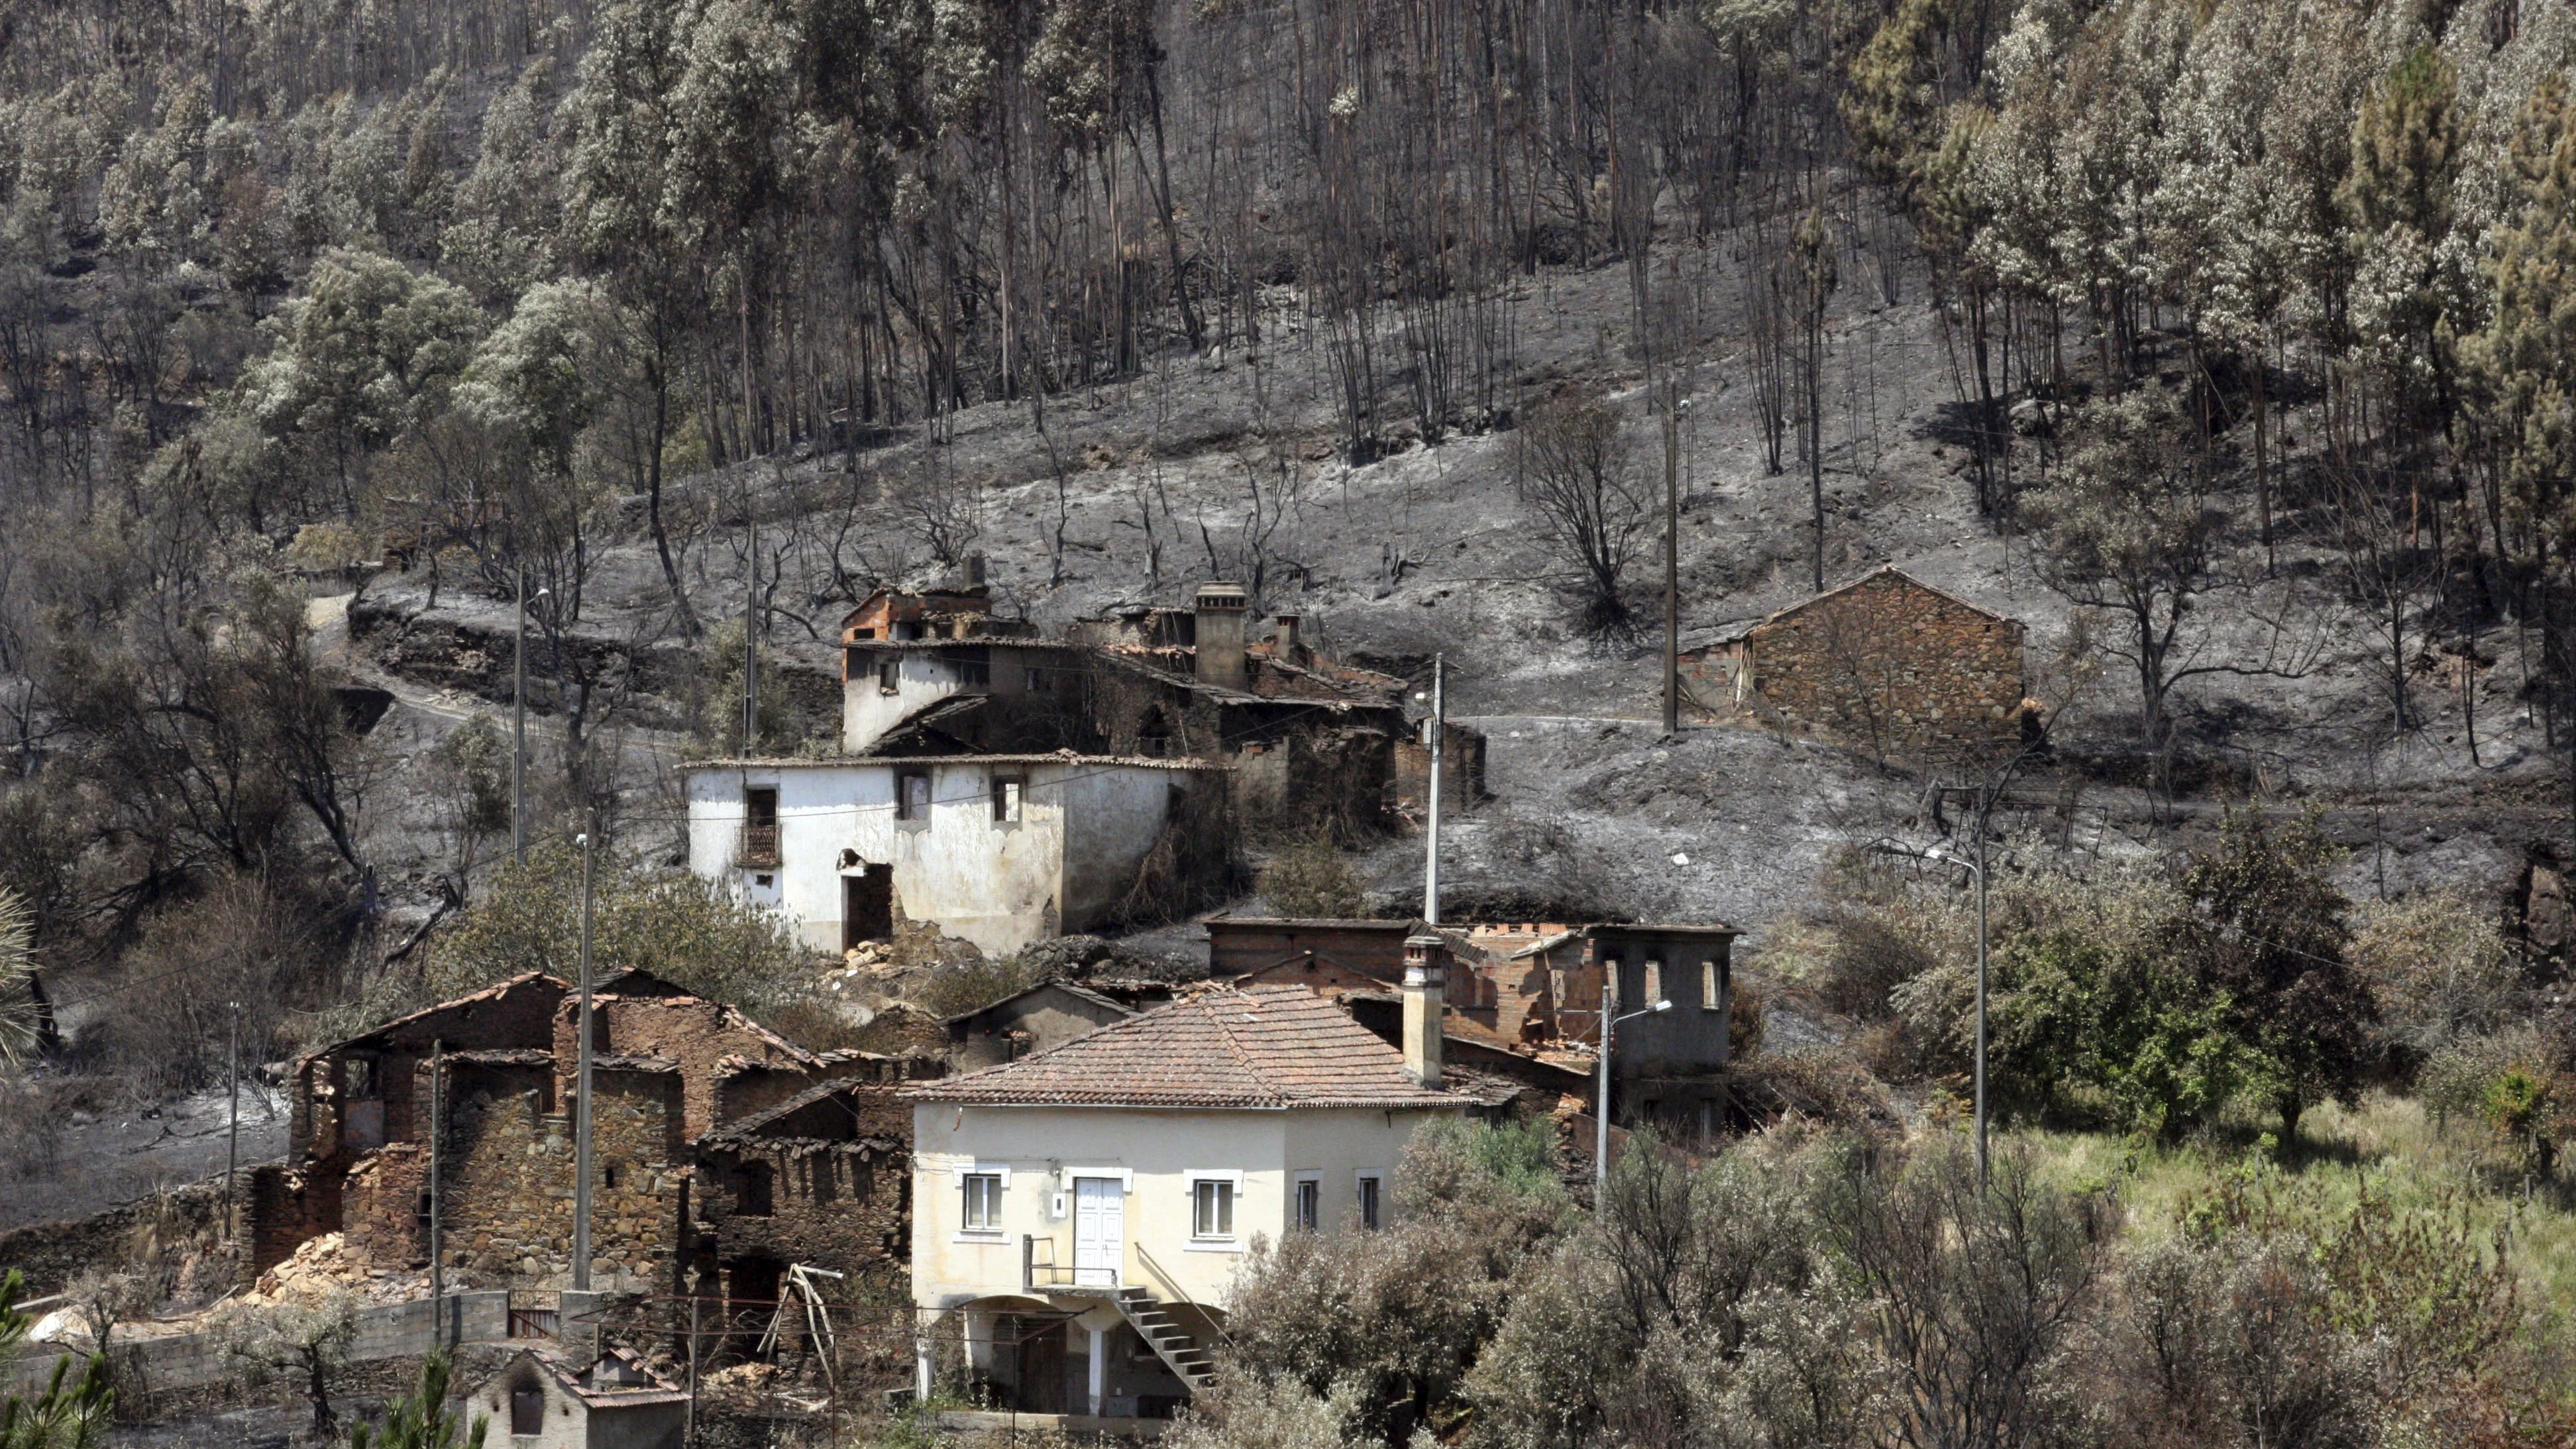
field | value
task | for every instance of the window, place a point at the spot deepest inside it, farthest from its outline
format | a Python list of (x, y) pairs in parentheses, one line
[(1007, 790), (760, 806), (608, 1177), (889, 676), (1708, 992), (1310, 1204), (360, 1074), (974, 670), (1211, 1209), (751, 1190), (1370, 1207), (983, 1202), (527, 1411), (912, 797)]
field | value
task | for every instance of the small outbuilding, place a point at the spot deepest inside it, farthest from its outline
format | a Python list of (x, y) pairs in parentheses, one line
[(1886, 663), (540, 1401)]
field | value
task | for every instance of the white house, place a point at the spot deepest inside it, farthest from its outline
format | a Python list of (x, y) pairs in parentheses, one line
[(1000, 850), (539, 1400), (1079, 1214)]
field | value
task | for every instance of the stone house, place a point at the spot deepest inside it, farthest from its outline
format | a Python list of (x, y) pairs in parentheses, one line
[(1078, 1215), (1886, 664), (1668, 1068), (669, 1071), (1040, 1018), (540, 1400), (822, 1178)]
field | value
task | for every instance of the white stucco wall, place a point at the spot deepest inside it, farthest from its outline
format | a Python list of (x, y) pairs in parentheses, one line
[(998, 884), (1121, 811), (867, 713), (1045, 1148)]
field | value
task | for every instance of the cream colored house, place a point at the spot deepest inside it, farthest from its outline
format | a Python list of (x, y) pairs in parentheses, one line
[(1079, 1215)]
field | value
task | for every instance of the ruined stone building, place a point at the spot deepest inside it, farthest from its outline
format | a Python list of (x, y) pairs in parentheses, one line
[(1003, 788), (1886, 664), (695, 1125)]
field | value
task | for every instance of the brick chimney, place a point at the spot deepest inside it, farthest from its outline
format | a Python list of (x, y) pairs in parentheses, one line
[(1426, 971), (1220, 608), (1287, 639)]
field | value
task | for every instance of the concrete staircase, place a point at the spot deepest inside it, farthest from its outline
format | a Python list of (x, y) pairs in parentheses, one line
[(1174, 1345)]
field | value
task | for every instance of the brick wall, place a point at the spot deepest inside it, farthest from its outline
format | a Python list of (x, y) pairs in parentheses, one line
[(1885, 665)]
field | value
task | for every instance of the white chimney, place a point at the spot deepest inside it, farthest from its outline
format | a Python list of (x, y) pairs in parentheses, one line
[(1287, 639), (1426, 970), (1219, 633)]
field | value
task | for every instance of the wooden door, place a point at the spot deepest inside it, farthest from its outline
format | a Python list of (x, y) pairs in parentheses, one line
[(1099, 1230)]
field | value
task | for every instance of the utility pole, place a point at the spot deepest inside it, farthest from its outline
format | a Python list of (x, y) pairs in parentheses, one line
[(437, 1203), (581, 1102), (232, 1143), (1601, 1105), (519, 724), (1672, 557), (751, 636), (1439, 742)]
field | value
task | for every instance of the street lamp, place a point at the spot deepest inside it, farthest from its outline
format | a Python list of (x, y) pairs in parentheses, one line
[(1601, 1137), (1976, 868)]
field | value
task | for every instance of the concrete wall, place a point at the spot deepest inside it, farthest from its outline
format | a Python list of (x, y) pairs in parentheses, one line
[(1044, 1149), (867, 712), (1027, 1024), (180, 1361)]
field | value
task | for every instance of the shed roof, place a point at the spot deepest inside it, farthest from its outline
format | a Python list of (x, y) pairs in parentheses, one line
[(1052, 983), (1268, 1047)]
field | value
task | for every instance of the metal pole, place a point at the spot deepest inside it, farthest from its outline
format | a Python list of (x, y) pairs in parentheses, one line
[(581, 1103), (689, 1427), (519, 726), (751, 635), (1601, 1127), (1439, 742), (437, 1204), (1672, 559), (232, 1142)]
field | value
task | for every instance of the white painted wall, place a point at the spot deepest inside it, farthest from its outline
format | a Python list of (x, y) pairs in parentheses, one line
[(998, 884), (866, 713), (1044, 1149)]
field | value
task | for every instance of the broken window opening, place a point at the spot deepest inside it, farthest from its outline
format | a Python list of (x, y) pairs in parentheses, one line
[(527, 1411), (1007, 790), (912, 796), (751, 1197), (890, 676)]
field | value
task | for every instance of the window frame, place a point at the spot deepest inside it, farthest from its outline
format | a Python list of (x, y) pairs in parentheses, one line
[(992, 1185), (1010, 796), (904, 810), (1212, 1197), (1306, 1202), (1368, 1195), (890, 674)]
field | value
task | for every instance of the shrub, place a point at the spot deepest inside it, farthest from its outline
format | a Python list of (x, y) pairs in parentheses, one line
[(1311, 880)]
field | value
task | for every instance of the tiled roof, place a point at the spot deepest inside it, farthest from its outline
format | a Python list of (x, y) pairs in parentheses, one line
[(1265, 1047)]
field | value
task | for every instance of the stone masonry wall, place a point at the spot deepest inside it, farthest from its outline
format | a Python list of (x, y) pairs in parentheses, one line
[(380, 1205), (845, 1206), (1885, 665), (696, 1034), (509, 1189)]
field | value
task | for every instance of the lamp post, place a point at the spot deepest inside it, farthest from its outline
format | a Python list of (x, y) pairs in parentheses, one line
[(1976, 868), (1601, 1129)]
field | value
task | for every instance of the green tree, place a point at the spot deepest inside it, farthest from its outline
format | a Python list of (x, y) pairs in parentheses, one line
[(2411, 293), (73, 1415), (2267, 930), (368, 349), (422, 1419), (674, 924), (2524, 360)]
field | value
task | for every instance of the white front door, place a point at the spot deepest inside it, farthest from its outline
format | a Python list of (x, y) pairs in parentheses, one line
[(1099, 1230)]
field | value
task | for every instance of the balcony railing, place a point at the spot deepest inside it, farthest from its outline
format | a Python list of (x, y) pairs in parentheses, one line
[(758, 845)]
